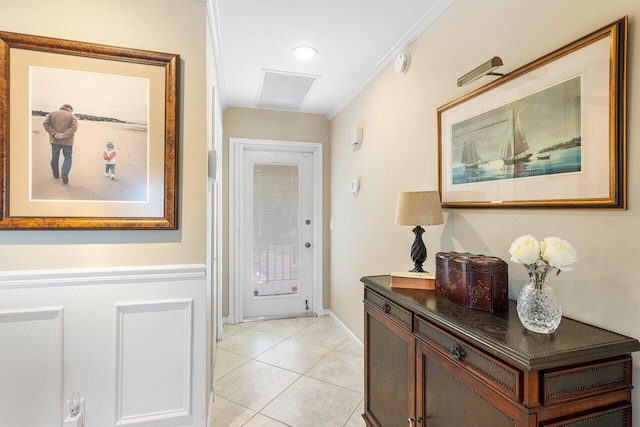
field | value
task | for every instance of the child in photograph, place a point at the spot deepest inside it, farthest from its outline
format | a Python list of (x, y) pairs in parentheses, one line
[(109, 156)]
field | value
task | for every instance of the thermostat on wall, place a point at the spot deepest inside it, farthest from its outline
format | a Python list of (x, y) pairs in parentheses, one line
[(355, 185), (356, 137)]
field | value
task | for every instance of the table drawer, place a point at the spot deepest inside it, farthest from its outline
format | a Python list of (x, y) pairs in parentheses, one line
[(619, 416), (389, 307), (498, 375), (577, 382)]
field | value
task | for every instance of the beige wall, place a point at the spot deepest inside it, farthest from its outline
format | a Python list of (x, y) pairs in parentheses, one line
[(174, 26), (399, 153), (280, 126)]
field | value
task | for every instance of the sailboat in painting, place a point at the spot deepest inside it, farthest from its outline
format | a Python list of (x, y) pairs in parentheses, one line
[(516, 146), (470, 158)]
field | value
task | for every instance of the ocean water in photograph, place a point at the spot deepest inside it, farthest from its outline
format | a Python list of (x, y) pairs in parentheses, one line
[(538, 134), (550, 162)]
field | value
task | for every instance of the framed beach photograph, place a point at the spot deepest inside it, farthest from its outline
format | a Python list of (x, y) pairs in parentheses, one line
[(550, 134), (87, 135)]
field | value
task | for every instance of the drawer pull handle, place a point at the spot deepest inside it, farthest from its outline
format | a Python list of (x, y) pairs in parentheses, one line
[(458, 352), (386, 308), (413, 421)]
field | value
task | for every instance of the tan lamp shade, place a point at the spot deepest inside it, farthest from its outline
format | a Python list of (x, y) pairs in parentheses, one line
[(419, 208)]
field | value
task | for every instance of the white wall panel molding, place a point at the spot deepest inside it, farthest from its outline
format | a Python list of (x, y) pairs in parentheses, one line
[(31, 366), (154, 361), (134, 346), (99, 276)]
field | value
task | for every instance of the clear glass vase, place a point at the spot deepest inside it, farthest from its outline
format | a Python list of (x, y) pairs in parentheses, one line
[(538, 307)]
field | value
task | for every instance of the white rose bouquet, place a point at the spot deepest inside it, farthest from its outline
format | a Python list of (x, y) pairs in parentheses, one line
[(552, 251), (538, 308)]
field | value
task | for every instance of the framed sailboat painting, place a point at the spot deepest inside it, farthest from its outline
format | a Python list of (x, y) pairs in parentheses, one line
[(549, 134)]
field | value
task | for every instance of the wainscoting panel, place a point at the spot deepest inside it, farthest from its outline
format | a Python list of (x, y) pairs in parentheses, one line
[(154, 370), (31, 367), (130, 341)]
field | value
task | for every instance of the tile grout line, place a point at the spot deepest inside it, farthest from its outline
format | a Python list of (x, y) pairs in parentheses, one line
[(354, 411), (315, 379), (272, 400), (330, 351)]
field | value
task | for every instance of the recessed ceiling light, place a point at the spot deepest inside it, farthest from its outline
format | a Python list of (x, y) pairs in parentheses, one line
[(304, 52)]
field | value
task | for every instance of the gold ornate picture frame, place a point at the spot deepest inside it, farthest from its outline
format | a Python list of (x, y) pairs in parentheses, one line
[(551, 134), (124, 100)]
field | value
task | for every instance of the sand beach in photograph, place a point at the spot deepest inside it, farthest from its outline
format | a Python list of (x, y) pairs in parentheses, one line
[(86, 179)]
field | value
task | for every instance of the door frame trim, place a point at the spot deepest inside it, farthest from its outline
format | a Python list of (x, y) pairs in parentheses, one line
[(237, 146)]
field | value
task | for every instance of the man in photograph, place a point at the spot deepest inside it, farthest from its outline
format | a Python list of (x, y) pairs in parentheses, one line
[(61, 125)]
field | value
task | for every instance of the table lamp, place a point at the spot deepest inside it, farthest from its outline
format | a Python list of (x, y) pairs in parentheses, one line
[(419, 208)]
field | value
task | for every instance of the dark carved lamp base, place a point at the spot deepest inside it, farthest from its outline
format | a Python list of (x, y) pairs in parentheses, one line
[(418, 251)]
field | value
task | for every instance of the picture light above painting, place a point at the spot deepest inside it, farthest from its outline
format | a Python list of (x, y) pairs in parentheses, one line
[(551, 134), (88, 135)]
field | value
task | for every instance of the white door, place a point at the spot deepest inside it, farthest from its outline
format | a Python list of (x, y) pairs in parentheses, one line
[(276, 273)]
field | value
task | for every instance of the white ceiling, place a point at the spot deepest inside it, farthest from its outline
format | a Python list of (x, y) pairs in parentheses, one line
[(356, 40)]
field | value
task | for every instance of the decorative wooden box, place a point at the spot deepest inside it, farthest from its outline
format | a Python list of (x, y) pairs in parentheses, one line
[(443, 271), (474, 281)]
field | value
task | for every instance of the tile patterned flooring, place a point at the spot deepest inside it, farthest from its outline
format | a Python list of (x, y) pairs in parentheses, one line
[(291, 372)]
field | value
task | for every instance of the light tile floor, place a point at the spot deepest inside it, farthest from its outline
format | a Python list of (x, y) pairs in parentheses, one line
[(291, 372)]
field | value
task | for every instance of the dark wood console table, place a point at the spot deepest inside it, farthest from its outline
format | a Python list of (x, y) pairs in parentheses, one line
[(431, 362)]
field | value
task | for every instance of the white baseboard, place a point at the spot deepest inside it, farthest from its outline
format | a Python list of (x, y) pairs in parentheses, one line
[(346, 330)]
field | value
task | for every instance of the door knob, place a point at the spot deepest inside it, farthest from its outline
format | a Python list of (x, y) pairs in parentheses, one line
[(307, 245)]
